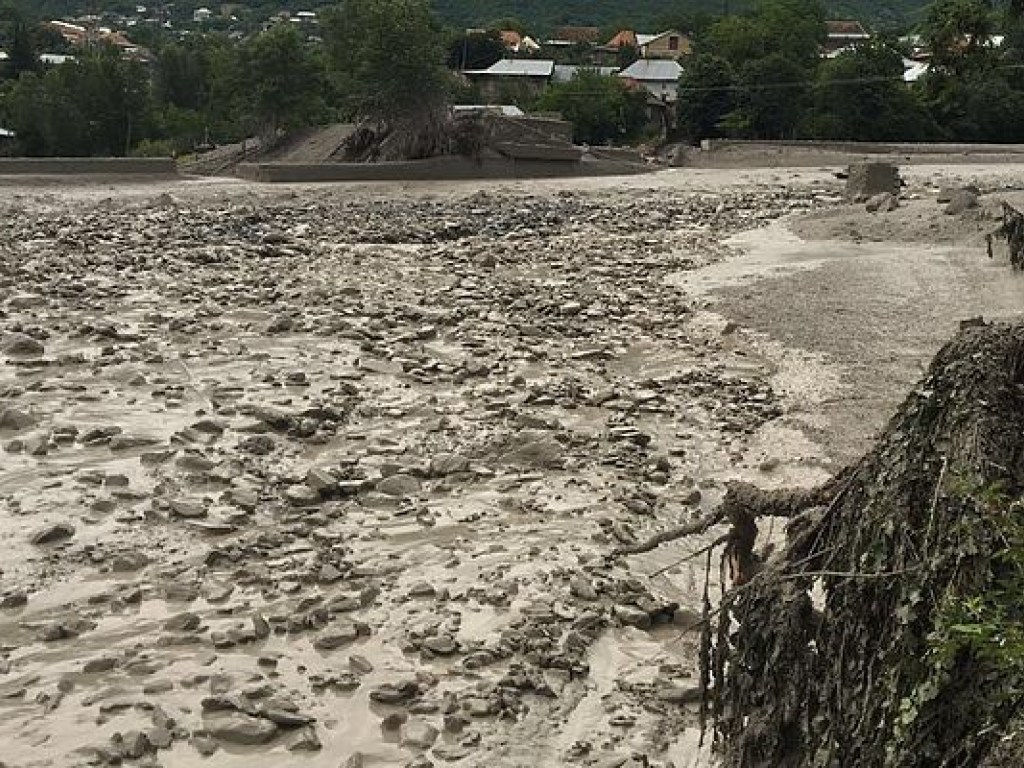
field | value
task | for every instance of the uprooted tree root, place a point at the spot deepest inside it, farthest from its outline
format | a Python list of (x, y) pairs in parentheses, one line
[(425, 136), (889, 629), (1012, 231)]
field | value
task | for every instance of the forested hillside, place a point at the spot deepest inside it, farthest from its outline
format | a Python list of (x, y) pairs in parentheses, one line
[(539, 17), (545, 15)]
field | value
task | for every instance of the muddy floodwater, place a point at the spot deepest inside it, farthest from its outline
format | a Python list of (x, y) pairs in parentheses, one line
[(332, 476)]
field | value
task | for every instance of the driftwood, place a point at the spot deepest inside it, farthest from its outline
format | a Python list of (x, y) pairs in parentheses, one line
[(865, 642), (1012, 231)]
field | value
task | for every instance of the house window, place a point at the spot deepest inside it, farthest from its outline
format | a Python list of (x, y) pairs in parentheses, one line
[(673, 43)]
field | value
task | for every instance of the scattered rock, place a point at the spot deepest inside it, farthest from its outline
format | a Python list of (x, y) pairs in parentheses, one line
[(48, 534), (235, 727)]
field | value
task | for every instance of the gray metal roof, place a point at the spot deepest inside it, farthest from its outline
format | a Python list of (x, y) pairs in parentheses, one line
[(517, 68), (648, 70)]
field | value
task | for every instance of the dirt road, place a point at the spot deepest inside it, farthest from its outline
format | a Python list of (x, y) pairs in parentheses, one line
[(330, 476)]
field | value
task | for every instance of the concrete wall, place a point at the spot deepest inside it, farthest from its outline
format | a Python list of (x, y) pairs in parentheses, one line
[(529, 129), (437, 169), (864, 147), (76, 166)]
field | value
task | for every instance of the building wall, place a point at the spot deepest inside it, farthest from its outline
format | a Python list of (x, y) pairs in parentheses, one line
[(508, 88), (666, 91), (671, 46)]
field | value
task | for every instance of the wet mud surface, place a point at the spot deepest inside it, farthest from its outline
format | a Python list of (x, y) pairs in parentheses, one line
[(321, 477), (330, 476)]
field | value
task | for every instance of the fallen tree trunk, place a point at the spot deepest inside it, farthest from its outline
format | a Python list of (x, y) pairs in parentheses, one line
[(889, 631)]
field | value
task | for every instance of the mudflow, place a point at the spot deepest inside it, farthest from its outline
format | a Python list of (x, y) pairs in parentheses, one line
[(332, 476)]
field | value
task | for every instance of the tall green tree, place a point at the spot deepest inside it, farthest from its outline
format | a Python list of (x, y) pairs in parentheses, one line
[(179, 78), (707, 93), (97, 105), (958, 33), (860, 95), (284, 79), (18, 36), (601, 109), (771, 99), (388, 58), (474, 50)]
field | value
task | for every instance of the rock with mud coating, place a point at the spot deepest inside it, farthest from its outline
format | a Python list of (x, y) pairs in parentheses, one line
[(395, 693), (16, 419), (301, 496), (48, 534), (399, 485), (21, 345), (632, 616), (418, 734), (580, 587), (235, 727), (305, 740), (336, 638), (533, 448)]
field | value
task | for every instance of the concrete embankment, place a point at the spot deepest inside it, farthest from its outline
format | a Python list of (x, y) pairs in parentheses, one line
[(88, 166), (730, 153), (436, 169)]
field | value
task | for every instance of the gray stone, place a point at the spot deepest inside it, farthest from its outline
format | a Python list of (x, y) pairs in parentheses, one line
[(305, 740), (865, 180), (51, 533), (632, 616), (239, 728), (884, 202), (418, 734), (441, 645), (399, 485), (134, 744), (101, 664), (187, 509), (321, 481), (15, 419), (337, 637), (580, 587), (160, 737), (360, 664), (677, 694), (21, 345), (301, 496), (961, 201)]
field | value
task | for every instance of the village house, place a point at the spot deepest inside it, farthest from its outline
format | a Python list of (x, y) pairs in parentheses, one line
[(569, 37), (664, 45), (843, 34), (659, 77), (529, 76), (517, 43)]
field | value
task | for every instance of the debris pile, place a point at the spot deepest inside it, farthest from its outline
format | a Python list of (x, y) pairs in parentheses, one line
[(887, 630)]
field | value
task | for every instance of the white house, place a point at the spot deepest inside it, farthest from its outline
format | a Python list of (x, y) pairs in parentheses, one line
[(55, 59), (659, 77), (201, 15), (564, 73)]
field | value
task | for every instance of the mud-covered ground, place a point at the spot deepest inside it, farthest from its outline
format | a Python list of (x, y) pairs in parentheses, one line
[(330, 476)]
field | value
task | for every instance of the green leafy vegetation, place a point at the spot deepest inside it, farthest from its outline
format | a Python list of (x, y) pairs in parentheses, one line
[(756, 73), (601, 109)]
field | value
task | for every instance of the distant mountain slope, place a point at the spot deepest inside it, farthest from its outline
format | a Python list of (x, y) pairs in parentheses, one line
[(650, 15), (540, 17)]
